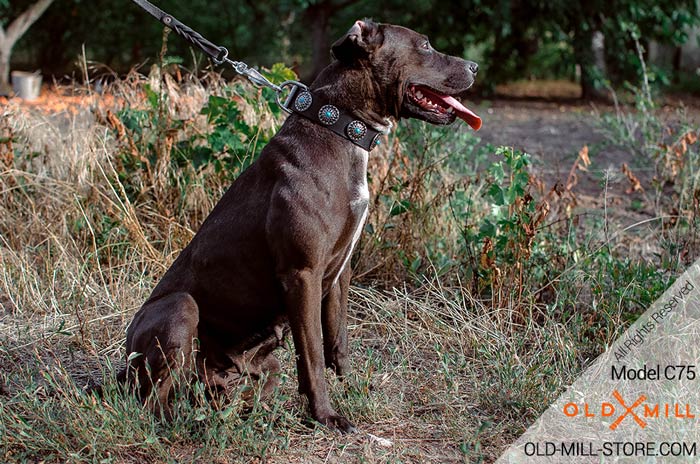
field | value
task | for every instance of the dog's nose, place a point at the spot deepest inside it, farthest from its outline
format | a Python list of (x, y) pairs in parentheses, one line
[(473, 67)]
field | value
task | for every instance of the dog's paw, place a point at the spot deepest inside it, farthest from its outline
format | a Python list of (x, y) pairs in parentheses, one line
[(337, 422)]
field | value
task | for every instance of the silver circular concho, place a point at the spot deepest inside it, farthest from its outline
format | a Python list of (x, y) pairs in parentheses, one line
[(376, 141), (328, 114), (303, 101), (356, 130)]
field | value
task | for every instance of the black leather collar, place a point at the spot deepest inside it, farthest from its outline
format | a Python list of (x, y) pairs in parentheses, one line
[(306, 103)]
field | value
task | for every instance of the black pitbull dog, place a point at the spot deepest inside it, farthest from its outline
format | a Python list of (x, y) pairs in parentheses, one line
[(273, 254)]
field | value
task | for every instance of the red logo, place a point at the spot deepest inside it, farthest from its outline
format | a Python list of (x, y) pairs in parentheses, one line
[(640, 411)]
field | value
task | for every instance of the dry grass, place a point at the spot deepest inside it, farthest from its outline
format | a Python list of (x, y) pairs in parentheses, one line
[(438, 374), (78, 258), (540, 89)]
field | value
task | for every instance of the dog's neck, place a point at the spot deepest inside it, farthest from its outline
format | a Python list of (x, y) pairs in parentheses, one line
[(355, 89)]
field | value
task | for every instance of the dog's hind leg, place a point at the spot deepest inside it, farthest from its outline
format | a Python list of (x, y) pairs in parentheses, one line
[(264, 363), (159, 345), (334, 317)]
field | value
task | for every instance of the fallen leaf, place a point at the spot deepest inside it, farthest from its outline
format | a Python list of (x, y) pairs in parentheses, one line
[(583, 155), (636, 184)]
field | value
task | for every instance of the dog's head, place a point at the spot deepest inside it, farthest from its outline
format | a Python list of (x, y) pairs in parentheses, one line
[(419, 81)]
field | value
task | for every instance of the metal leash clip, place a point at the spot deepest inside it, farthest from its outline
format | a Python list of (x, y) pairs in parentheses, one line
[(254, 76), (294, 87), (219, 55)]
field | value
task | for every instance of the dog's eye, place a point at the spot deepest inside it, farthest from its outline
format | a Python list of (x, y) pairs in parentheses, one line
[(425, 45)]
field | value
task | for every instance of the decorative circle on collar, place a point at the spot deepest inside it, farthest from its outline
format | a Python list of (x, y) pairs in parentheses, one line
[(356, 130), (328, 114), (303, 101)]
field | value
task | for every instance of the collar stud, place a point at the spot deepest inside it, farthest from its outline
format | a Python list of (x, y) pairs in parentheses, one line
[(356, 130), (328, 115), (303, 101)]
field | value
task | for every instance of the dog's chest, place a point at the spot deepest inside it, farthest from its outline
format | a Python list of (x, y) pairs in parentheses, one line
[(359, 191), (358, 206)]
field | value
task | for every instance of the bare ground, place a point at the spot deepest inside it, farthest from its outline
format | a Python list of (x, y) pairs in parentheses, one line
[(555, 131)]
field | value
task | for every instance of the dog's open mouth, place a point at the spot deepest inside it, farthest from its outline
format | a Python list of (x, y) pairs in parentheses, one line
[(442, 106)]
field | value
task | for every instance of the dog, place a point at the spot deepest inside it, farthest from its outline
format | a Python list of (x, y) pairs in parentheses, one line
[(273, 255)]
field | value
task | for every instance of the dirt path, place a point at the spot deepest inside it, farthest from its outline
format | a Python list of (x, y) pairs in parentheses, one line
[(554, 133)]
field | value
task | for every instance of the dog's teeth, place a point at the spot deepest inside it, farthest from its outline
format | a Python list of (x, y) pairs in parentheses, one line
[(419, 95), (450, 110)]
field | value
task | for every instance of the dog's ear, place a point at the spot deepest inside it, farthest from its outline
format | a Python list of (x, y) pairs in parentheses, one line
[(362, 39)]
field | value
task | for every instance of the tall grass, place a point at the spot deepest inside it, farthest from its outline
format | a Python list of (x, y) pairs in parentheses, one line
[(480, 292)]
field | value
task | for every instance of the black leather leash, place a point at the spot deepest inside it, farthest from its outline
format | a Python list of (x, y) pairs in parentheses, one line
[(299, 100)]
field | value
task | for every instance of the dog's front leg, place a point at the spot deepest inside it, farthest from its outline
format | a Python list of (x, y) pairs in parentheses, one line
[(335, 325), (303, 302)]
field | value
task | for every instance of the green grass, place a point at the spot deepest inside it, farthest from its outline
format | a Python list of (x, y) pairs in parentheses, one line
[(456, 347)]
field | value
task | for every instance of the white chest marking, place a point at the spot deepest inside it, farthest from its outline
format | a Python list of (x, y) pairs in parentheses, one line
[(359, 199)]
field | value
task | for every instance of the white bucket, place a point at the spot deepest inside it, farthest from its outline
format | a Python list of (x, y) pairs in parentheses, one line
[(26, 85)]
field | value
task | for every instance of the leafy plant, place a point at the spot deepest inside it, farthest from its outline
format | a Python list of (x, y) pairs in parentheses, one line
[(500, 243), (162, 151), (232, 143), (670, 147), (410, 229)]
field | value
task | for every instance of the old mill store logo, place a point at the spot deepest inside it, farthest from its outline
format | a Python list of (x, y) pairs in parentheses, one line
[(640, 411)]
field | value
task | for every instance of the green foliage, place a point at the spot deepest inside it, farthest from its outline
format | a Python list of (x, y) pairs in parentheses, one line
[(413, 183), (4, 12), (230, 143), (512, 40), (227, 146), (506, 230), (440, 212), (68, 422)]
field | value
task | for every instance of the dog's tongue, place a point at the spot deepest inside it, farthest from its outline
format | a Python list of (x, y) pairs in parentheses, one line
[(464, 113)]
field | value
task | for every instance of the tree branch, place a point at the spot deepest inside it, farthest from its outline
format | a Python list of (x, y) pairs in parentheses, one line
[(20, 25)]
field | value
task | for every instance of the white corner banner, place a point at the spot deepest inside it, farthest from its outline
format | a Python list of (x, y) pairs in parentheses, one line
[(639, 402)]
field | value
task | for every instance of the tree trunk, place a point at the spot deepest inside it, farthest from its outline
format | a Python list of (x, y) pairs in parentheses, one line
[(585, 55), (16, 29), (319, 16), (4, 72), (677, 58), (598, 47), (52, 55)]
